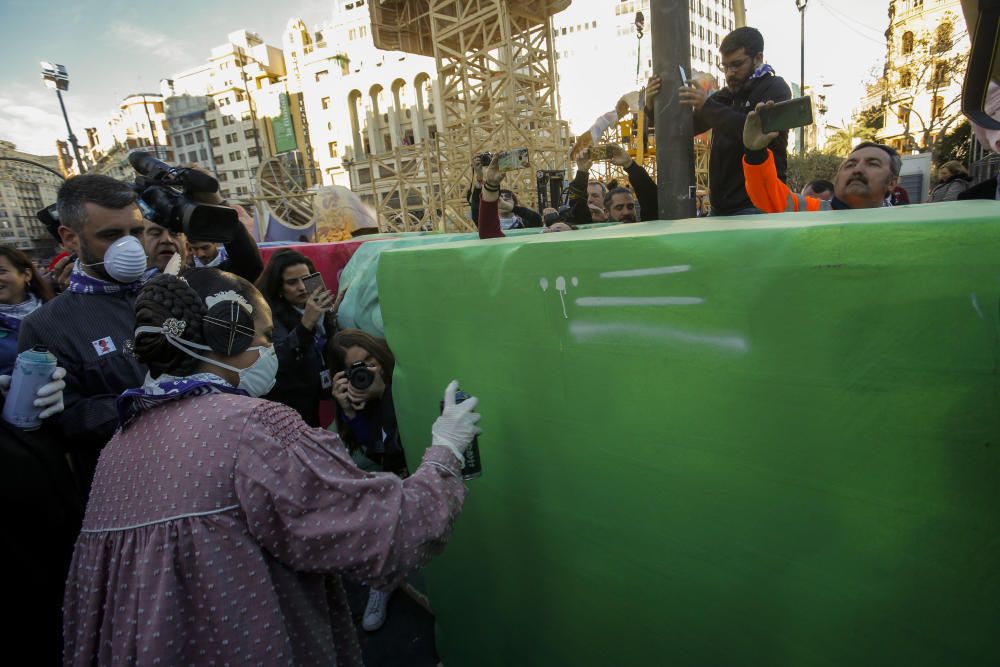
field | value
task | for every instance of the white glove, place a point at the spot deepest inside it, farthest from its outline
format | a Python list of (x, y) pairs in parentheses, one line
[(50, 396), (456, 427)]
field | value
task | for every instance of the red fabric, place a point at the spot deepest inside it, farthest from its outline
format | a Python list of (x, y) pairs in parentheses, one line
[(329, 258), (489, 219), (55, 260)]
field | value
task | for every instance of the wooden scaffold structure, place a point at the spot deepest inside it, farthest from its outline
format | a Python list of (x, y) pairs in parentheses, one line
[(496, 71)]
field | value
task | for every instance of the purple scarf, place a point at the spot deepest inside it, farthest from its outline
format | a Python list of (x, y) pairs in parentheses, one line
[(166, 388), (81, 282)]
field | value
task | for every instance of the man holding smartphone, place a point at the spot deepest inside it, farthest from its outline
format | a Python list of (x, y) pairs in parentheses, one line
[(748, 82)]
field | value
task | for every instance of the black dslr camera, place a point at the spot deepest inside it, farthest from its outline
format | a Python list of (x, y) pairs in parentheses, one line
[(561, 215), (164, 197), (360, 375)]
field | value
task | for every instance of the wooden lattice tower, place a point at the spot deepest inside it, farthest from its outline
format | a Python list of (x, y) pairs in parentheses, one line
[(496, 72)]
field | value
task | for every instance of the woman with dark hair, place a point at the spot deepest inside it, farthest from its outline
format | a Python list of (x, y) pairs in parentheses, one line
[(216, 518), (22, 292), (303, 322), (366, 420)]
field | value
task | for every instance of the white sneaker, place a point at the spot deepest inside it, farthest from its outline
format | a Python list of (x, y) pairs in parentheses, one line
[(375, 611)]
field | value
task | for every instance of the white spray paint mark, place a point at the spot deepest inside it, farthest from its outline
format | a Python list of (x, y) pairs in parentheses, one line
[(585, 332), (575, 281), (612, 301), (544, 284), (975, 305), (640, 273), (561, 288)]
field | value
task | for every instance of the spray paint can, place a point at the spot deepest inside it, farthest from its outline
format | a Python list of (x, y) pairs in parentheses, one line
[(473, 467), (32, 370)]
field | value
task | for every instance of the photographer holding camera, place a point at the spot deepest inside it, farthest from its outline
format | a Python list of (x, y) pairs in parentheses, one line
[(366, 421), (89, 326), (512, 215)]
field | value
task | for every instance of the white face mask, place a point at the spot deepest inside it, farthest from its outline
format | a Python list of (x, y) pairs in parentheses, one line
[(124, 261), (256, 379)]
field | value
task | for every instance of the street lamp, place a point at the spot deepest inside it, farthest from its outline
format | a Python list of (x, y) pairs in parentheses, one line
[(801, 6), (55, 77)]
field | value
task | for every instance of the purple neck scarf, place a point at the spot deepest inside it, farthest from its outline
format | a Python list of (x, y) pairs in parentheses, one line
[(81, 282), (166, 388)]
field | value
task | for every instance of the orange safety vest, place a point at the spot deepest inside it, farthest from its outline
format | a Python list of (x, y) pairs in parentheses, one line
[(770, 195)]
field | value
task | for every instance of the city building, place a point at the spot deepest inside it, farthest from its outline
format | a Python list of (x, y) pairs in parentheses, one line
[(140, 122), (241, 86), (600, 56), (918, 99), (371, 112), (27, 185)]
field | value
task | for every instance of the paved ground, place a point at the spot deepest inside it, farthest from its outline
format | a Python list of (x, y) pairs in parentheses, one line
[(406, 639)]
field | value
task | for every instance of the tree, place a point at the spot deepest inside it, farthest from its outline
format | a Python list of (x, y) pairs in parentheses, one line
[(842, 141), (955, 146), (813, 165), (929, 61)]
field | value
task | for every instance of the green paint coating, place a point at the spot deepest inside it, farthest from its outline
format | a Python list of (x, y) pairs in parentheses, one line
[(802, 469)]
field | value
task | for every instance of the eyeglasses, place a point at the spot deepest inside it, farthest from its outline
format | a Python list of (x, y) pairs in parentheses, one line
[(733, 66)]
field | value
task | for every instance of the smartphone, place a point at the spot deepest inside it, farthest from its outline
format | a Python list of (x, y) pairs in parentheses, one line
[(600, 152), (786, 115), (312, 281), (512, 160)]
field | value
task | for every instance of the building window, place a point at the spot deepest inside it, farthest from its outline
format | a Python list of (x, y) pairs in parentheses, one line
[(235, 155), (252, 151), (212, 124), (907, 42), (193, 157), (325, 102), (333, 148), (905, 78), (940, 74), (322, 74), (248, 134), (204, 155), (215, 141), (199, 136), (937, 108), (944, 41), (223, 177), (901, 113)]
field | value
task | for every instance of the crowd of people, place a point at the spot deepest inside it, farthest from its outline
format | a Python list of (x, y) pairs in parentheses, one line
[(184, 498)]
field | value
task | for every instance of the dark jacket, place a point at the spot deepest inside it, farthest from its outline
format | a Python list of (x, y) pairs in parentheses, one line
[(983, 190), (375, 432), (725, 113), (42, 512), (529, 217), (300, 362), (645, 193), (72, 325)]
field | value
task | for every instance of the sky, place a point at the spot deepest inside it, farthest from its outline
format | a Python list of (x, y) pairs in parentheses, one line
[(114, 48)]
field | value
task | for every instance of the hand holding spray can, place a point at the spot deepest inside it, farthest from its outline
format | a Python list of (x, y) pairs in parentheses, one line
[(32, 370), (473, 467)]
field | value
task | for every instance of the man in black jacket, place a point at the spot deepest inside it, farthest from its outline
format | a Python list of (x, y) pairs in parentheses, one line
[(748, 82)]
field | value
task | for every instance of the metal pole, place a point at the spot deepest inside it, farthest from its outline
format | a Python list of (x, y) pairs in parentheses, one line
[(69, 130), (674, 122), (802, 66)]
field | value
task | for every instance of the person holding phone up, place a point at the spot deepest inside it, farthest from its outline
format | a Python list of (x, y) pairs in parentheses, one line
[(748, 81), (304, 320)]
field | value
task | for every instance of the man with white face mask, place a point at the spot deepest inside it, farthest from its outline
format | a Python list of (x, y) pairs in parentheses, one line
[(87, 326)]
